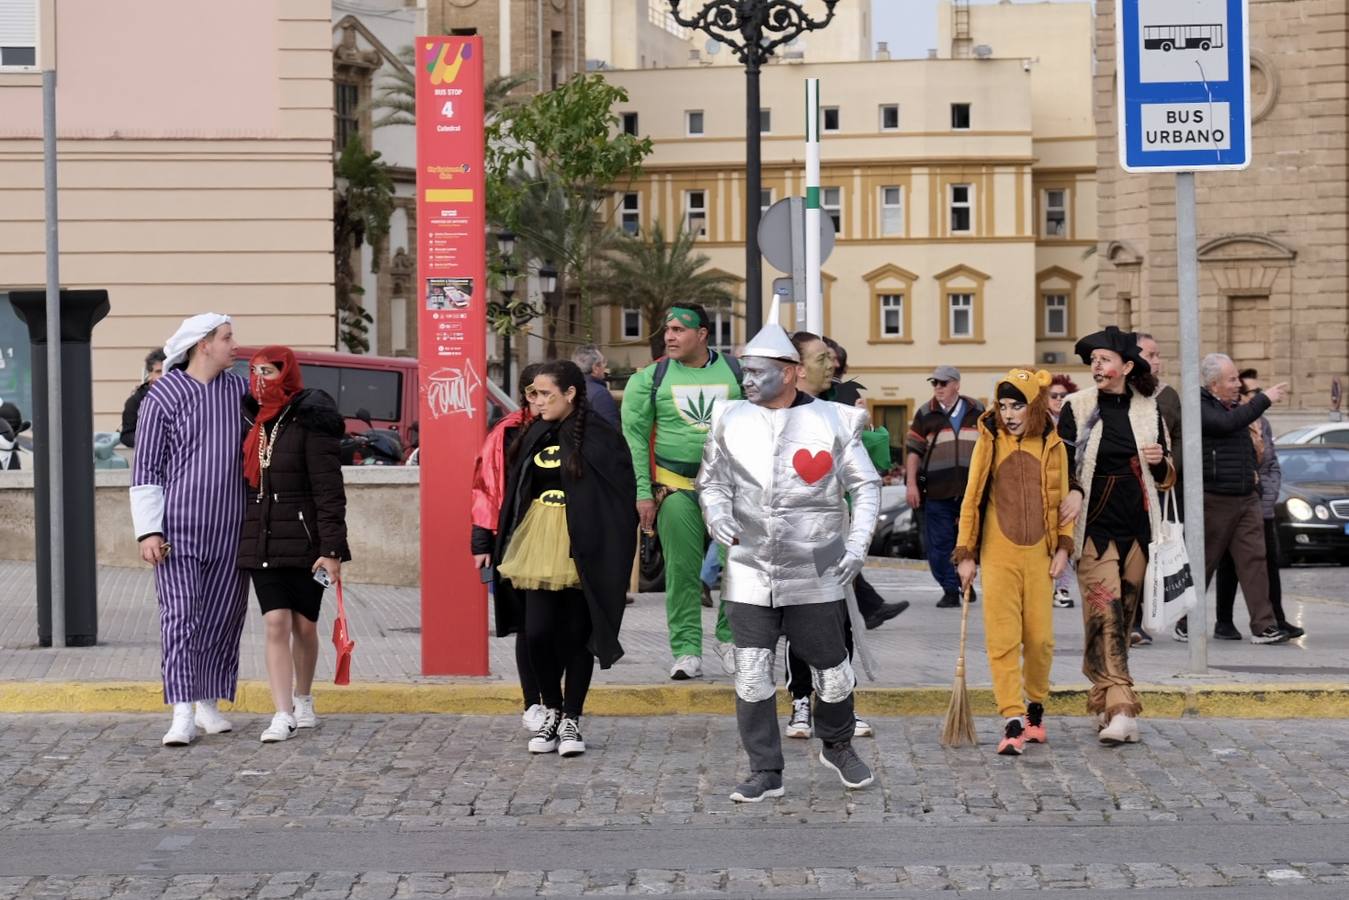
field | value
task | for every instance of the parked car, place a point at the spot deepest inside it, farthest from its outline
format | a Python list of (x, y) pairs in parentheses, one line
[(897, 529), (1324, 433), (1312, 515)]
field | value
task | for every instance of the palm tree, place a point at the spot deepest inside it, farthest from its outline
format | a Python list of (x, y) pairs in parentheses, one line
[(362, 207), (396, 95), (652, 274)]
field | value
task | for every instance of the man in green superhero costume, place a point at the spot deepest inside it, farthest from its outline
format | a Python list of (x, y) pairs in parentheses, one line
[(667, 412)]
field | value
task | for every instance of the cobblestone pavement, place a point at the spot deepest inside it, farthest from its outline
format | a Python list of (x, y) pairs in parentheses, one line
[(422, 806), (918, 648)]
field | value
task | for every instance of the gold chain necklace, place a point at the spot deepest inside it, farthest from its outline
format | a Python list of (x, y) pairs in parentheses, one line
[(265, 447)]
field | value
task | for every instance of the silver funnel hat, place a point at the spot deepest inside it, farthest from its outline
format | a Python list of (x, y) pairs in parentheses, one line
[(772, 341)]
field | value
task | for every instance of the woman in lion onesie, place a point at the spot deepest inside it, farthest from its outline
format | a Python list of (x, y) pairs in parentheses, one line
[(1009, 523)]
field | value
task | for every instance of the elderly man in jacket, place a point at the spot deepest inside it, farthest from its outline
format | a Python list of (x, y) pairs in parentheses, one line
[(774, 475), (1233, 517)]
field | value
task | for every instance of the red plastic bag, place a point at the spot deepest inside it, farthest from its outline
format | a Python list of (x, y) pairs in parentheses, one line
[(342, 641)]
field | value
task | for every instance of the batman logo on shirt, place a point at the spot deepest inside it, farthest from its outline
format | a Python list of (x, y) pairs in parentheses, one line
[(553, 498), (549, 457)]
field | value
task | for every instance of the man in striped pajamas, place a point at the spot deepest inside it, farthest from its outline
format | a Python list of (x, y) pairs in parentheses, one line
[(187, 504)]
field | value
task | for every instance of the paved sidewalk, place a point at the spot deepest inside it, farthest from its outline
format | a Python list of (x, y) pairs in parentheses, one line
[(382, 807)]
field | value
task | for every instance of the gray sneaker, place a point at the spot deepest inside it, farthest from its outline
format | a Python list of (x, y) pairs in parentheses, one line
[(758, 786), (843, 759)]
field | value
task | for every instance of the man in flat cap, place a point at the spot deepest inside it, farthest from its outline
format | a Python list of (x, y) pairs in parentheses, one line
[(776, 470), (187, 504), (940, 445)]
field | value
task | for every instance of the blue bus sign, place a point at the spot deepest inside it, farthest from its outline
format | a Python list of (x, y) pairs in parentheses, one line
[(1184, 85)]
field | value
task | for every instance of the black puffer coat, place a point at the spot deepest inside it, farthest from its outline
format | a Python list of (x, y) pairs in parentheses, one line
[(1229, 455), (300, 512)]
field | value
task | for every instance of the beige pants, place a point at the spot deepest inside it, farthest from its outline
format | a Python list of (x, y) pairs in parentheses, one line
[(1111, 591)]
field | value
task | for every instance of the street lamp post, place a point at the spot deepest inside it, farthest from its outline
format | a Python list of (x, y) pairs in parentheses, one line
[(506, 247), (753, 29)]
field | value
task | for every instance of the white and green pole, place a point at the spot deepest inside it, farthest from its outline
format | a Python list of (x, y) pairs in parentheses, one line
[(814, 291)]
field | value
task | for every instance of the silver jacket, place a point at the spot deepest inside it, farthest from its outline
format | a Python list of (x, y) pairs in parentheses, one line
[(755, 467)]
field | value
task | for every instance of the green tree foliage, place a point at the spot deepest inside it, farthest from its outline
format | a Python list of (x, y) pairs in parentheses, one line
[(362, 207), (653, 273)]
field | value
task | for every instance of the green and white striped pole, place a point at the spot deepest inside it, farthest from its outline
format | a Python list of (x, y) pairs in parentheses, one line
[(814, 291)]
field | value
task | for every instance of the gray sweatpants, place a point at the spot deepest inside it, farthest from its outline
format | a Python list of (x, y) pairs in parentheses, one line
[(815, 631)]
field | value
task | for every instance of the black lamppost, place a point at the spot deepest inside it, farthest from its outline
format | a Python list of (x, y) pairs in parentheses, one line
[(506, 248), (753, 29)]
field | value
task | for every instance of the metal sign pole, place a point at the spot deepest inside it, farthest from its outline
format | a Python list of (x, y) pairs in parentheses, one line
[(1187, 267), (814, 287), (55, 463)]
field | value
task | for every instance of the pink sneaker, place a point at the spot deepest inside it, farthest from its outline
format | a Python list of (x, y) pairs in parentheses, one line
[(1034, 732)]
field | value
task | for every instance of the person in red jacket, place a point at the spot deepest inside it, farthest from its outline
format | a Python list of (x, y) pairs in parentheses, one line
[(489, 486)]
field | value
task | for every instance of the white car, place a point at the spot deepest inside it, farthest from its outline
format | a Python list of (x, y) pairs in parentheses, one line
[(1325, 433)]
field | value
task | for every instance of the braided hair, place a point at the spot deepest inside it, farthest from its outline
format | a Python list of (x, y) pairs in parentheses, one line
[(568, 375)]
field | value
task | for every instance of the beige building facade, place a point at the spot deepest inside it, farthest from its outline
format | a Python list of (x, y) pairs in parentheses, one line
[(543, 37), (181, 190), (1274, 239), (963, 230)]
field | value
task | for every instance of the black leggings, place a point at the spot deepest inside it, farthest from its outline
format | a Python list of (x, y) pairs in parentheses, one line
[(557, 629)]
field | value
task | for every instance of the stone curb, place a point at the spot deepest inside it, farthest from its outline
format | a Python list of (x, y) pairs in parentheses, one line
[(1256, 701)]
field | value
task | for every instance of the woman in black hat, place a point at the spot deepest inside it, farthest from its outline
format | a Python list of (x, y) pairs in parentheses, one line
[(1119, 459)]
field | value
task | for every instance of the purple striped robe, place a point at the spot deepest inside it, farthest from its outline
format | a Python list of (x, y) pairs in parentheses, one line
[(187, 484)]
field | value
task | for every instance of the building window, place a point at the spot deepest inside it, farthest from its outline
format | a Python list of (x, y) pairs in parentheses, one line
[(962, 203), (722, 337), (892, 315), (1056, 315), (556, 59), (695, 212), (960, 116), (830, 116), (766, 121), (765, 199), (890, 117), (632, 324), (892, 211), (960, 316), (630, 123), (693, 122), (831, 202), (573, 319), (18, 34), (632, 213), (346, 111), (1056, 212)]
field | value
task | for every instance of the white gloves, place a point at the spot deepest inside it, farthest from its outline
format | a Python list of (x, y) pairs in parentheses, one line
[(724, 531), (849, 567)]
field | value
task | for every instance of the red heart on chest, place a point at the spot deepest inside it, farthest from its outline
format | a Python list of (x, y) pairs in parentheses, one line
[(812, 467)]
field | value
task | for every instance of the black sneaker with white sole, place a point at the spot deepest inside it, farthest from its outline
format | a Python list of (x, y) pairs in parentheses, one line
[(569, 740), (845, 762), (545, 739), (1271, 635), (758, 786)]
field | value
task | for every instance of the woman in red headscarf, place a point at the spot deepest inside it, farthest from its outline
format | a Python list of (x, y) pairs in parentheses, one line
[(294, 524)]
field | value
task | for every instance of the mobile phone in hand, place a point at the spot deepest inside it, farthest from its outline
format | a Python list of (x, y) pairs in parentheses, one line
[(321, 576), (486, 573)]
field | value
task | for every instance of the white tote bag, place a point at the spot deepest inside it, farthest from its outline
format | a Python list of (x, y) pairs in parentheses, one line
[(1168, 590)]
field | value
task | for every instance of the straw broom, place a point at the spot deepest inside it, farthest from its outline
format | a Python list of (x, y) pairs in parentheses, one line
[(958, 730)]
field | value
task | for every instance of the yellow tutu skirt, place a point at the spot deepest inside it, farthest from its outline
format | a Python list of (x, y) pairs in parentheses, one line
[(539, 557)]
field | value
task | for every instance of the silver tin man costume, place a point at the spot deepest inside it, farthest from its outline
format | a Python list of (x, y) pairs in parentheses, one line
[(772, 487)]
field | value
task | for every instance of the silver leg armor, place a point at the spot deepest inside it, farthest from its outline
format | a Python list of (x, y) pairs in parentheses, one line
[(754, 673), (834, 684)]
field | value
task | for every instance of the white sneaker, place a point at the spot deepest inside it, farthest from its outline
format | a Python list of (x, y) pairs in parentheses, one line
[(209, 718), (1121, 730), (800, 724), (304, 712), (183, 731), (282, 727), (687, 667), (727, 654), (862, 728), (532, 719)]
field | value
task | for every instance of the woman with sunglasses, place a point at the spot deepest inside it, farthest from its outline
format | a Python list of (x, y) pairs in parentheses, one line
[(489, 484), (294, 524), (1059, 389), (566, 538)]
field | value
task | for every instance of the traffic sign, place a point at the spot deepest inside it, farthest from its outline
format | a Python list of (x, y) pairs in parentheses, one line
[(1184, 85)]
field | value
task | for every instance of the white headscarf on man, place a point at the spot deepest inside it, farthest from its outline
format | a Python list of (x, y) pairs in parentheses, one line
[(188, 334)]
